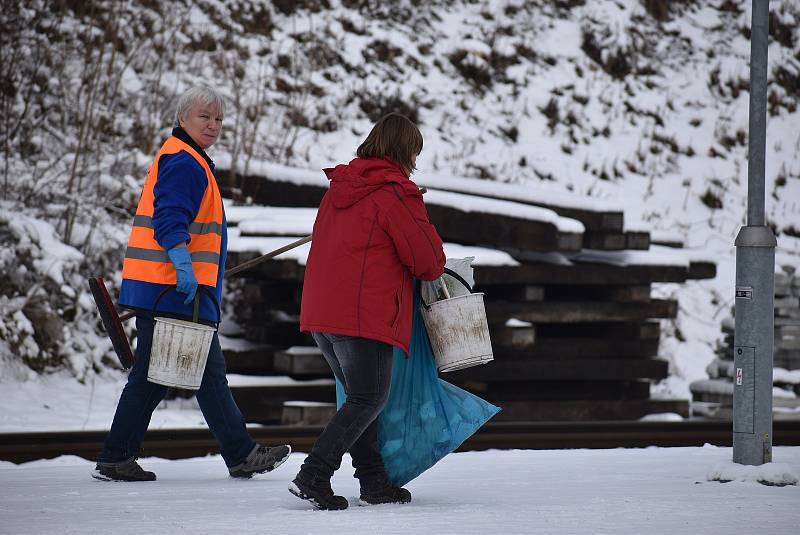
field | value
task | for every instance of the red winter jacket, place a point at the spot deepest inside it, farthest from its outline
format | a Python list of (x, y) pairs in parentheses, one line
[(371, 237)]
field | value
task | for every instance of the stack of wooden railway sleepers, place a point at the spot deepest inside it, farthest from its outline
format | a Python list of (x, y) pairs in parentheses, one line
[(574, 328), (713, 397)]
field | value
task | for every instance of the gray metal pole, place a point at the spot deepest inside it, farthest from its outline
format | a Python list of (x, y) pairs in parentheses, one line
[(755, 277)]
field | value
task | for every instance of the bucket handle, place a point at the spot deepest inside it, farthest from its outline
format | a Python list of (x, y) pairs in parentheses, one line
[(453, 274), (196, 312)]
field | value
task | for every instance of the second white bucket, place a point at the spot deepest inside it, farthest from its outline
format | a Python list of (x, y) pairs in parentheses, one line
[(458, 331), (179, 353)]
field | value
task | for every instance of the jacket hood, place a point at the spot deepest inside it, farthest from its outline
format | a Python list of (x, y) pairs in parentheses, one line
[(353, 181)]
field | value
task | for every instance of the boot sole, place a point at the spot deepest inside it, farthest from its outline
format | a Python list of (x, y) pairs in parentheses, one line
[(294, 489), (364, 503), (102, 477)]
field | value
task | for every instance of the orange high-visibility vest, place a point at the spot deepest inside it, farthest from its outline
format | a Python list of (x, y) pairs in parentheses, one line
[(145, 260)]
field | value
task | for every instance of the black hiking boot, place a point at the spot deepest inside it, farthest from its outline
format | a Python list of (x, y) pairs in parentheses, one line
[(127, 471), (386, 494), (261, 459), (318, 492)]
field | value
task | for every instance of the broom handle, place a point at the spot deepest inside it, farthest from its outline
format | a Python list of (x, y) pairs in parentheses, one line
[(444, 288), (267, 256), (246, 265)]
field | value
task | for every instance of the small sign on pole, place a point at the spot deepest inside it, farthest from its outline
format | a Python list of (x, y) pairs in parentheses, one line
[(744, 292)]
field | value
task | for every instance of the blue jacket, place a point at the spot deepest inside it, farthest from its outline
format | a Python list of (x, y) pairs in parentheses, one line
[(179, 190)]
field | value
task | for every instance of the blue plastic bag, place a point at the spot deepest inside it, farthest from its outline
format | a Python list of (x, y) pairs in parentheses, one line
[(425, 418)]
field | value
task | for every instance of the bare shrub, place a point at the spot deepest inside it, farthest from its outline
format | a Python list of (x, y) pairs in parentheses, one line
[(474, 70), (377, 105), (663, 11)]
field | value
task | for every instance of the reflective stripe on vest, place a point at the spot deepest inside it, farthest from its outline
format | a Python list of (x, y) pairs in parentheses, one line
[(146, 260)]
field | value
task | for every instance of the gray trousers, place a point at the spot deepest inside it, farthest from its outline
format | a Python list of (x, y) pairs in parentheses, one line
[(364, 367)]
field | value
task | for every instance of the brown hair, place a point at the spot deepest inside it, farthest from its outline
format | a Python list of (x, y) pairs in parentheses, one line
[(394, 136)]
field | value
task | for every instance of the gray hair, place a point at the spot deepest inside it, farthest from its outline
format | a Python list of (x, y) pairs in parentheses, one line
[(198, 94)]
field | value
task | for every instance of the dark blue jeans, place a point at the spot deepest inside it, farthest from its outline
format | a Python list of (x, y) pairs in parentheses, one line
[(364, 367), (140, 398)]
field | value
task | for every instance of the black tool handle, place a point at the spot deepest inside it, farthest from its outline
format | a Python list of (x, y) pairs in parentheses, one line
[(453, 274)]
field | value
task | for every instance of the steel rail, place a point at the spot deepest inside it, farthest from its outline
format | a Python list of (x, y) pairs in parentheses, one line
[(185, 443)]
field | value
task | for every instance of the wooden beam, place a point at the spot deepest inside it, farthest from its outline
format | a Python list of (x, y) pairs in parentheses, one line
[(515, 292), (475, 228), (300, 413), (534, 274), (451, 223), (579, 274), (255, 360), (279, 193), (637, 240), (276, 269), (645, 330), (585, 410), (785, 358), (579, 348), (626, 293), (269, 192), (562, 370), (499, 391), (604, 241), (787, 343), (304, 361), (593, 220), (275, 294), (280, 333), (503, 336), (577, 312), (264, 404), (702, 270)]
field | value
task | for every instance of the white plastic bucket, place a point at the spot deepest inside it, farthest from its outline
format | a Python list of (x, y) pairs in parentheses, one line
[(458, 331), (179, 353)]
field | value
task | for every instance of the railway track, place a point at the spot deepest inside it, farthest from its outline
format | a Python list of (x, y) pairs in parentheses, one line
[(184, 443)]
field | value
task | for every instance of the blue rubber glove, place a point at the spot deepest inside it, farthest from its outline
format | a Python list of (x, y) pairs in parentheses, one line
[(187, 282)]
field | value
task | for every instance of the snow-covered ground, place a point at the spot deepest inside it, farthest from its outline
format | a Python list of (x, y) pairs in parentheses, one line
[(653, 490), (59, 403)]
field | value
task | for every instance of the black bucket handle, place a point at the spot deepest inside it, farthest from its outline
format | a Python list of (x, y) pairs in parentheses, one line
[(453, 274), (196, 312)]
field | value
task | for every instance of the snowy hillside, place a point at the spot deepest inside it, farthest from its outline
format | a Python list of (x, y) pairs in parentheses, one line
[(638, 101)]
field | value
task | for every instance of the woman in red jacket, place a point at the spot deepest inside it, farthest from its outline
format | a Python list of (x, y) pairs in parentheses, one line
[(371, 238)]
